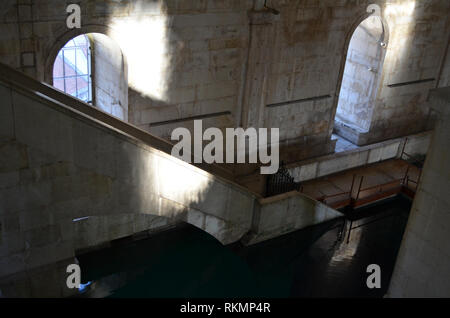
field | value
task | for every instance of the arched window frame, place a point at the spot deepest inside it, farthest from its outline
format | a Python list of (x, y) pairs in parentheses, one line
[(346, 44)]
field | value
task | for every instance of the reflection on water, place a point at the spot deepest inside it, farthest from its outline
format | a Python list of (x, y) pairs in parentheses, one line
[(314, 262), (181, 262)]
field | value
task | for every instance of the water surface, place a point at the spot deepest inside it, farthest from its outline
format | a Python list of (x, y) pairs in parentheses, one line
[(319, 261)]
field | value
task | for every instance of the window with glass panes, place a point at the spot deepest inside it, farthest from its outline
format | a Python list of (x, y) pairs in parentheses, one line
[(72, 69)]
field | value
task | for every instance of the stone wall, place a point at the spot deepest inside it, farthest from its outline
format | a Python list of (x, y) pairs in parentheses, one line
[(310, 56), (191, 58), (444, 79), (59, 169), (110, 77), (414, 145), (179, 65), (280, 215), (423, 264), (69, 182), (417, 43)]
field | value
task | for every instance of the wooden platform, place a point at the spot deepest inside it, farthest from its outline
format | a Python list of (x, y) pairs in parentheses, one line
[(361, 186)]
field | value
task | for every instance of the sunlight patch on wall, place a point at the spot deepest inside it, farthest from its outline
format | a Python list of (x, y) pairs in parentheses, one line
[(143, 40), (401, 17), (180, 183), (397, 9)]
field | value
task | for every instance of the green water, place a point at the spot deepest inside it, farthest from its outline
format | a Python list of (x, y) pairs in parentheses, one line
[(182, 262), (186, 262)]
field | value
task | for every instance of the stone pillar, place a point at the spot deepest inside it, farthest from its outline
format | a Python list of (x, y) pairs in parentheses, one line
[(423, 264), (262, 38)]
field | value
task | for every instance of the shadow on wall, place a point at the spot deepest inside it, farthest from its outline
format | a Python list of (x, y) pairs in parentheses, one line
[(74, 169), (116, 177), (410, 68), (400, 107), (172, 73), (110, 76)]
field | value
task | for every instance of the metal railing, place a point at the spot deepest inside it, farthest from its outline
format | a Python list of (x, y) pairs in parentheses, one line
[(358, 195), (378, 192), (281, 182), (411, 158)]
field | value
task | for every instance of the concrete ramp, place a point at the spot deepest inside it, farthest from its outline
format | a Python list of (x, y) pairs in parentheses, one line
[(73, 177), (61, 167)]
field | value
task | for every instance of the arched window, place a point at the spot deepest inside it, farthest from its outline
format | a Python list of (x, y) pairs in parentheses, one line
[(360, 82), (72, 69), (92, 68)]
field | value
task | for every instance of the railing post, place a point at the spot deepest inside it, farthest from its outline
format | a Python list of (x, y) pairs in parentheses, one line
[(359, 189), (406, 174), (351, 188), (404, 147), (418, 180), (349, 231)]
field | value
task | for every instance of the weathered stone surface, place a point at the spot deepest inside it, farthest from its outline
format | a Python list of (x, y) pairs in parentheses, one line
[(197, 54), (287, 213), (188, 58), (89, 184), (326, 165), (423, 263), (110, 77)]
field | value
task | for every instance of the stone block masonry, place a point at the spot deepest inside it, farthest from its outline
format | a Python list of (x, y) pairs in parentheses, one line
[(423, 263), (197, 57), (68, 182), (185, 59)]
